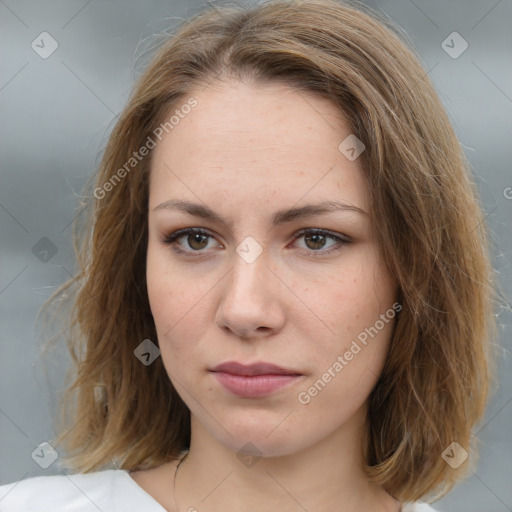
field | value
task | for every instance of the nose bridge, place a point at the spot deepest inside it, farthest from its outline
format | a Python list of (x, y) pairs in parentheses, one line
[(248, 301), (249, 271)]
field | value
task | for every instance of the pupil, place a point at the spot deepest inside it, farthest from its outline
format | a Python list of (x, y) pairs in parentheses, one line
[(318, 240), (192, 239)]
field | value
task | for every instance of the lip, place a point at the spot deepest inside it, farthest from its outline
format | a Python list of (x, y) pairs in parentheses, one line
[(254, 380), (258, 368)]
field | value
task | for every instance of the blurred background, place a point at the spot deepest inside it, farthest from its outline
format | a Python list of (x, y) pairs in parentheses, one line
[(66, 70)]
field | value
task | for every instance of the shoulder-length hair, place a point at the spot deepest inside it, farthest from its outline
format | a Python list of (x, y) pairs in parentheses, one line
[(425, 215)]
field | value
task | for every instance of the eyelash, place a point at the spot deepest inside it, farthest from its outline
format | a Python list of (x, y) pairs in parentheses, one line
[(173, 237)]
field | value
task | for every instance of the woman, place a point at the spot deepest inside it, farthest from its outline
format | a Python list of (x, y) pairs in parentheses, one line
[(285, 281)]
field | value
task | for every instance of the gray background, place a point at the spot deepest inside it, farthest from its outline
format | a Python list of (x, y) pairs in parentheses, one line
[(57, 113)]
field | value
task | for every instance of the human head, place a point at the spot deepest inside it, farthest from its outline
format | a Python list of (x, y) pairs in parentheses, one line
[(248, 288), (426, 221)]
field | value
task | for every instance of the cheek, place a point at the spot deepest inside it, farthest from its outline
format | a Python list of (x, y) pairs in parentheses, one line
[(172, 295), (347, 368), (351, 299), (163, 289), (180, 307), (357, 307)]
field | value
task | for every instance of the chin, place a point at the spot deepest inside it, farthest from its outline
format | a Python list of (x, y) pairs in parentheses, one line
[(262, 439)]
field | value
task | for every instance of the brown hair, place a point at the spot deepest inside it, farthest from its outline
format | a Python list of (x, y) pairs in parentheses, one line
[(424, 211)]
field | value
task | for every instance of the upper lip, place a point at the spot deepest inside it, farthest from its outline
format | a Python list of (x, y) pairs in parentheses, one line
[(260, 368)]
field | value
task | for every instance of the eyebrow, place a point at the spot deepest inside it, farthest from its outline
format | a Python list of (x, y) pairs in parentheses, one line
[(280, 217)]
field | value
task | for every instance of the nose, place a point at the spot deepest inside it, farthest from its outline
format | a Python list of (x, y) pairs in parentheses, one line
[(251, 300)]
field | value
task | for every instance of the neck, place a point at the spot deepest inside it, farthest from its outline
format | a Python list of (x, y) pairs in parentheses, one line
[(323, 477)]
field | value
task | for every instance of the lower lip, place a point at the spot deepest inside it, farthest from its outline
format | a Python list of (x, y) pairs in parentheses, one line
[(256, 386)]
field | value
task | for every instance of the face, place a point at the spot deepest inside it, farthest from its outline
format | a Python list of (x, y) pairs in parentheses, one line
[(244, 266)]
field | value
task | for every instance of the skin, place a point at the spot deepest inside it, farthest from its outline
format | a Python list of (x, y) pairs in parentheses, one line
[(247, 151)]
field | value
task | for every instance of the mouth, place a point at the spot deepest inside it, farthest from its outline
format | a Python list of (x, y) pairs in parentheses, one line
[(255, 380), (251, 370)]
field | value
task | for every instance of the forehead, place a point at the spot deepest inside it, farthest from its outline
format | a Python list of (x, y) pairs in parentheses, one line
[(258, 143)]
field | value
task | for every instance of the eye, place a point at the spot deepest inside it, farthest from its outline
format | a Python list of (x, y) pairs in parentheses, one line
[(316, 239), (195, 238)]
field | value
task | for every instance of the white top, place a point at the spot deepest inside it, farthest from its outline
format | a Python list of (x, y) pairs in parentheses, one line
[(111, 490)]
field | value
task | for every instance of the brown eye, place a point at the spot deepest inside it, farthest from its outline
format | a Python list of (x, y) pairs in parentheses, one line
[(191, 240), (315, 241), (197, 241)]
